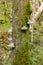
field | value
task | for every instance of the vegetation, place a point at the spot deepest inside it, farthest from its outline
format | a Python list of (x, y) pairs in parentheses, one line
[(22, 55), (5, 15), (27, 53), (37, 46)]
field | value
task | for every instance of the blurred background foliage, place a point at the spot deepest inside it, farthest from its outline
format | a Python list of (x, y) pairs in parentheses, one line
[(5, 13)]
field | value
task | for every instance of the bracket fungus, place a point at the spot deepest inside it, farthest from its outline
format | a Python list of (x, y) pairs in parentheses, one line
[(10, 38), (24, 29), (29, 23), (11, 45)]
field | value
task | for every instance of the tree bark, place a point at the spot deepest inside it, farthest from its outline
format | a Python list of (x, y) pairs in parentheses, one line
[(20, 37)]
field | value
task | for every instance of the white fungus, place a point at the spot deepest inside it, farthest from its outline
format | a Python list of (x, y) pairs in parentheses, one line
[(10, 38), (24, 28), (11, 45), (29, 22)]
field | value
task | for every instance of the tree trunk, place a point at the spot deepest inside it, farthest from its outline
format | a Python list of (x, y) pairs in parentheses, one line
[(21, 37)]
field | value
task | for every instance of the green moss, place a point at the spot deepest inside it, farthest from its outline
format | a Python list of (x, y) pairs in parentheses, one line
[(22, 55), (27, 10), (5, 18)]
